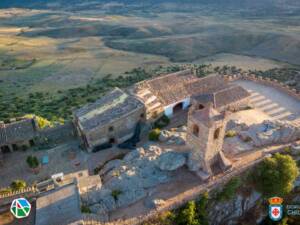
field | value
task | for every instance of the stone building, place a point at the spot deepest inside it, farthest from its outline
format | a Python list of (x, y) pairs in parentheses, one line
[(17, 134), (205, 135), (111, 119), (170, 93)]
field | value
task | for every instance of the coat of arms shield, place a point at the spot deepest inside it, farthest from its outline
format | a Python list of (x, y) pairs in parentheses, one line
[(275, 212)]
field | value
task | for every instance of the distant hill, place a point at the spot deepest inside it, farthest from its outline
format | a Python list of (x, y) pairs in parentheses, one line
[(228, 3)]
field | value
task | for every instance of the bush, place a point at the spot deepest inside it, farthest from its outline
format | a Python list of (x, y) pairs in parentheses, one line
[(188, 215), (162, 122), (276, 175), (85, 209), (5, 191), (230, 133), (201, 209), (32, 161), (287, 150), (154, 134), (164, 218), (115, 194), (229, 189), (18, 184)]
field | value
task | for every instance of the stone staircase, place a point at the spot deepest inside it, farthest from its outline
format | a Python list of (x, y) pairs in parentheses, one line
[(151, 102)]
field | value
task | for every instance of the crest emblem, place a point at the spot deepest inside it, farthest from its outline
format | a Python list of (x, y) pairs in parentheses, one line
[(275, 208), (20, 208)]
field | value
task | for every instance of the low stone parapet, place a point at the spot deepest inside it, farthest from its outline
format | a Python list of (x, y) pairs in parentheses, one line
[(265, 81)]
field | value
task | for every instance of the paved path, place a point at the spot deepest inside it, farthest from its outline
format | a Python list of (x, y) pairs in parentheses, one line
[(273, 102)]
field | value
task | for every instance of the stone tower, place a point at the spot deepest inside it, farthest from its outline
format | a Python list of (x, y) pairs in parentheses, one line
[(205, 136)]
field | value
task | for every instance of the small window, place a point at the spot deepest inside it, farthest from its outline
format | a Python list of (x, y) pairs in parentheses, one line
[(217, 133), (195, 130), (112, 141), (142, 115), (111, 129)]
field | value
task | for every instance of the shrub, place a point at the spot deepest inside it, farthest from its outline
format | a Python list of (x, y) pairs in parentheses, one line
[(18, 184), (276, 175), (230, 133), (188, 215), (287, 150), (154, 134), (5, 191), (85, 209), (115, 194), (201, 209), (162, 122), (42, 122), (32, 161), (164, 218), (229, 189)]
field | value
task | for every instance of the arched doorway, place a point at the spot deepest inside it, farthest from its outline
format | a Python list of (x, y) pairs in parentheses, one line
[(178, 107)]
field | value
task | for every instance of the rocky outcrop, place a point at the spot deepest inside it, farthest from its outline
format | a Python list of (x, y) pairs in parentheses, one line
[(171, 161), (176, 136), (230, 211), (270, 132), (127, 181)]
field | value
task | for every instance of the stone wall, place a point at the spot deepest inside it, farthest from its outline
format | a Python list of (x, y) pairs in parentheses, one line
[(118, 130), (265, 81), (58, 133)]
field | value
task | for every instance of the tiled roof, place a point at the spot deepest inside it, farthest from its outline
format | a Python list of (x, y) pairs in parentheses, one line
[(172, 87), (225, 96), (175, 87), (23, 130), (113, 105)]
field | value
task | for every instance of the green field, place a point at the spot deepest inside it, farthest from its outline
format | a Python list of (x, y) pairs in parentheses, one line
[(52, 50)]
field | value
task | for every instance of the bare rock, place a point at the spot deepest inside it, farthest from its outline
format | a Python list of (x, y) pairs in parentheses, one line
[(164, 136), (271, 132), (110, 166), (171, 161)]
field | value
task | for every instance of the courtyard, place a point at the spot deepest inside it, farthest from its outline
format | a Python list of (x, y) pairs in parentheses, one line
[(273, 103)]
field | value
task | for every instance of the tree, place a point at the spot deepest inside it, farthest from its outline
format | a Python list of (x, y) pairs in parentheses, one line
[(32, 161), (276, 175), (229, 189)]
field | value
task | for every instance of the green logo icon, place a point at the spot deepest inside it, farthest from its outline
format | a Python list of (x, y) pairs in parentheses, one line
[(20, 208)]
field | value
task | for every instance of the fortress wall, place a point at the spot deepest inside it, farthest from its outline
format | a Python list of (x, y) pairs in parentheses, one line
[(265, 81)]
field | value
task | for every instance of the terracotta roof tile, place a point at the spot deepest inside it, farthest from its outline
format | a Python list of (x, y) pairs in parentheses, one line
[(23, 130)]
